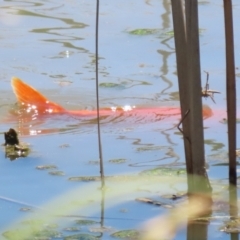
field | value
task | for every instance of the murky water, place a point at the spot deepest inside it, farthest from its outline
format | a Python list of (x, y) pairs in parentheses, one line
[(51, 46)]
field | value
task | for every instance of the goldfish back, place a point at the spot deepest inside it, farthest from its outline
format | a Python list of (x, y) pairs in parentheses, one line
[(30, 97)]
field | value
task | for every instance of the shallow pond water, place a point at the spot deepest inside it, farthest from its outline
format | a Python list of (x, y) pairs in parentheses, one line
[(50, 45)]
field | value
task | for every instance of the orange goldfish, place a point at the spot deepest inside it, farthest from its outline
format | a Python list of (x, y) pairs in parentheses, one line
[(32, 100)]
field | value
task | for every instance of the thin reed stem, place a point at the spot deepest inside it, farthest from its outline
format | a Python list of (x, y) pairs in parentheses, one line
[(97, 97), (231, 90)]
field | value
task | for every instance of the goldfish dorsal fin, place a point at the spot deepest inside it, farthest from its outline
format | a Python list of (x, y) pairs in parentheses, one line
[(27, 95)]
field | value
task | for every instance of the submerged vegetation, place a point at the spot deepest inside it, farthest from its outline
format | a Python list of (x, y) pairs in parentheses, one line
[(63, 219)]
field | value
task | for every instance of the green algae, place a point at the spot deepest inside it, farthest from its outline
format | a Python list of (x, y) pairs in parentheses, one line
[(143, 31), (127, 234), (85, 222), (81, 236), (118, 160), (57, 173), (46, 167), (160, 171)]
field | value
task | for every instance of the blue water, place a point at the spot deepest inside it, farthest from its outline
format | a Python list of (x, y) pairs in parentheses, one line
[(50, 45)]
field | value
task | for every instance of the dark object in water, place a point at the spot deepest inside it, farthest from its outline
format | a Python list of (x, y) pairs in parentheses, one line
[(13, 148), (11, 137)]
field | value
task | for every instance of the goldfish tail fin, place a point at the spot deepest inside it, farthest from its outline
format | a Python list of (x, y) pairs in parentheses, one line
[(27, 95)]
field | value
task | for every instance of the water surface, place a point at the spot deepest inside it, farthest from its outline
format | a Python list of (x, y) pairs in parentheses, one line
[(50, 45)]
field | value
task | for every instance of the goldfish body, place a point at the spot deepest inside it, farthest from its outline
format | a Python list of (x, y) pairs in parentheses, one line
[(31, 99)]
